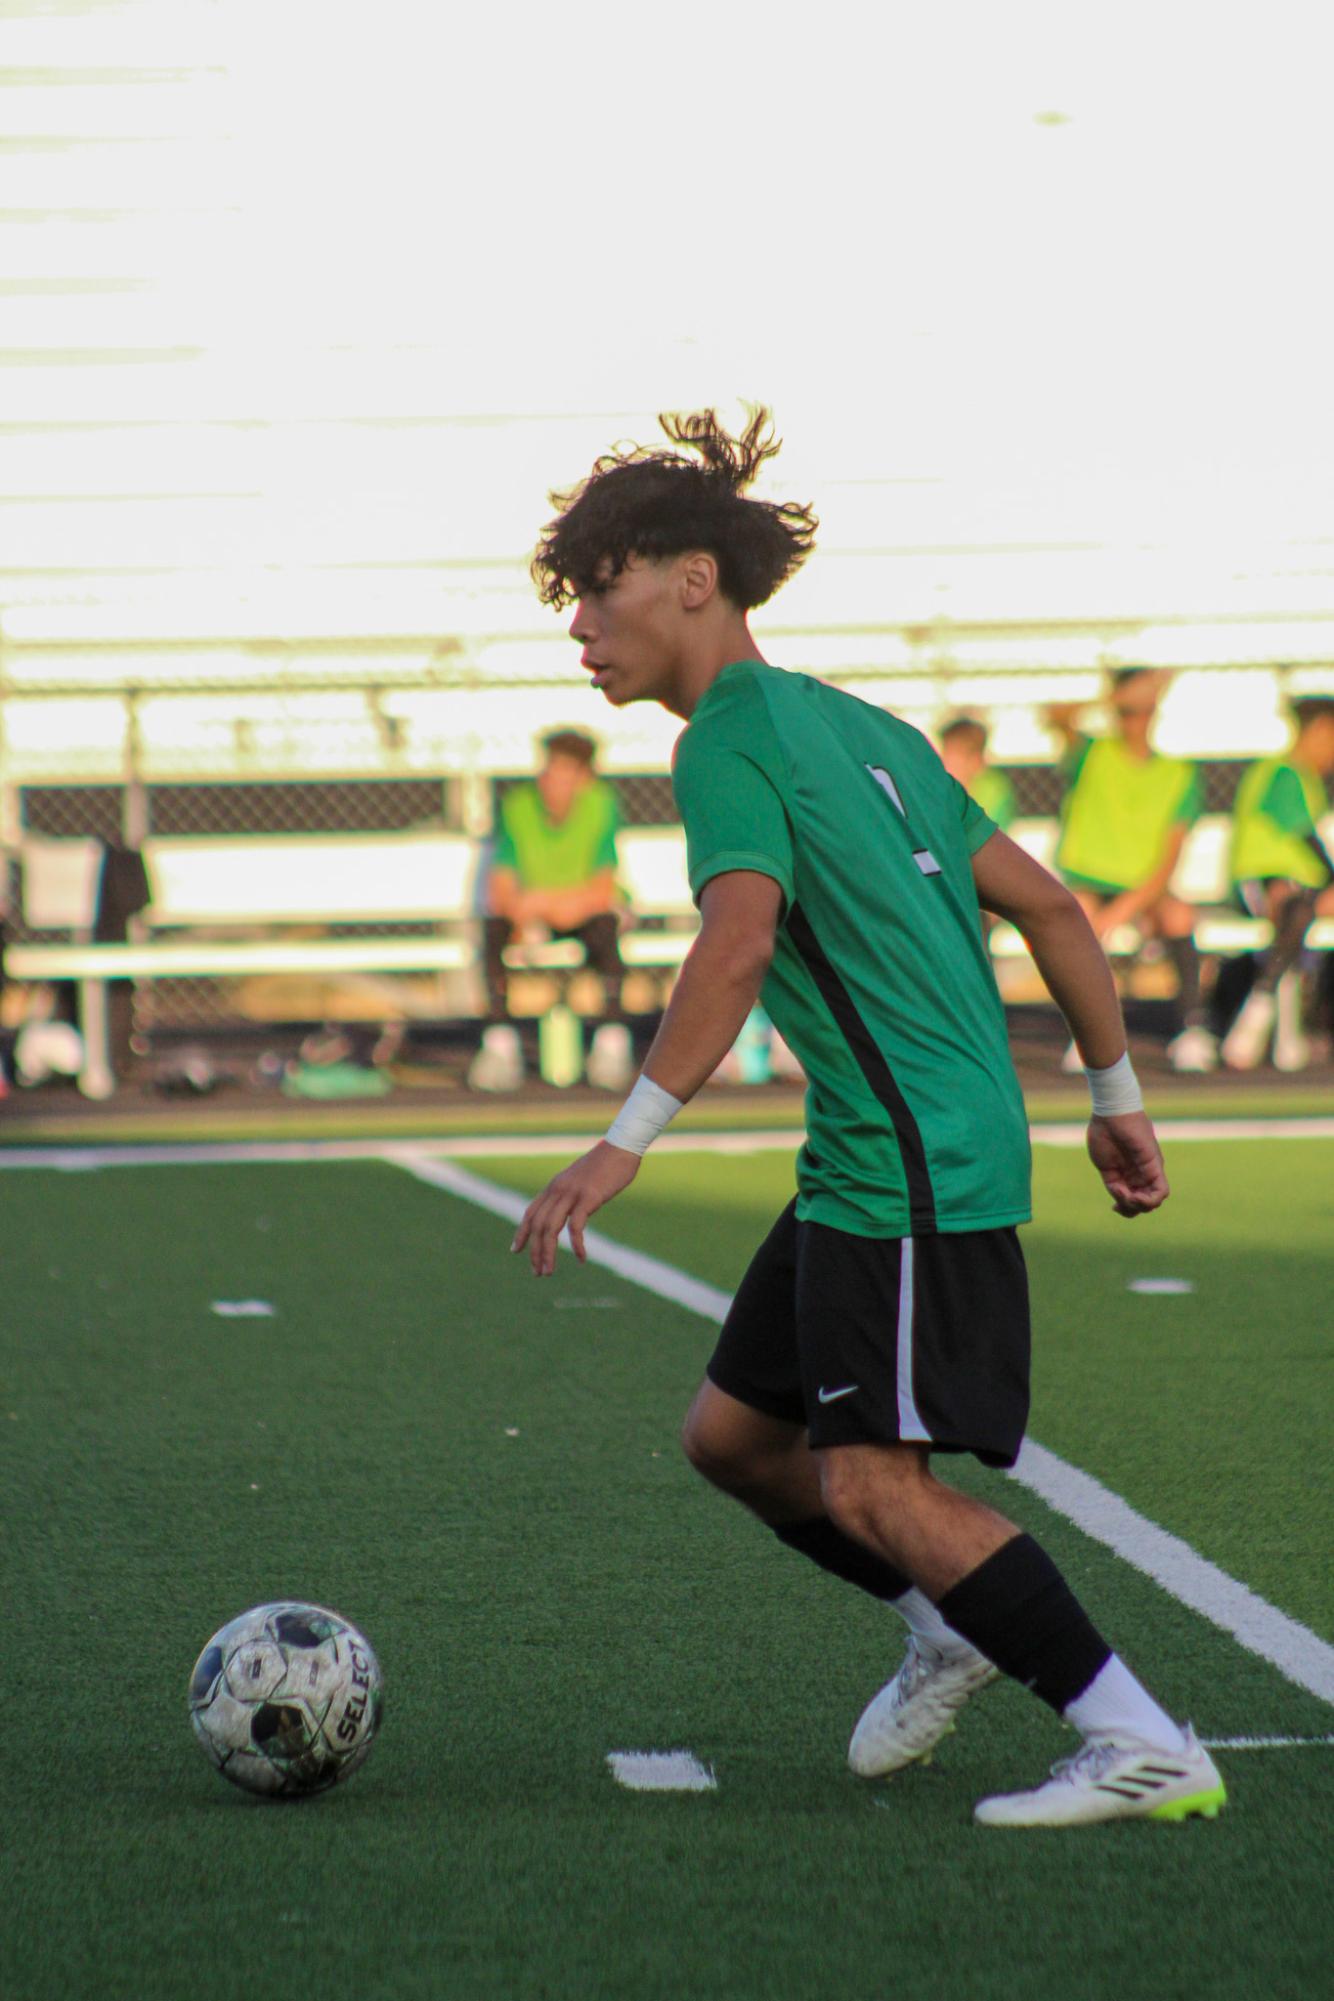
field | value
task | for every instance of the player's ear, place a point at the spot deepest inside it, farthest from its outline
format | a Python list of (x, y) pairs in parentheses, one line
[(698, 579)]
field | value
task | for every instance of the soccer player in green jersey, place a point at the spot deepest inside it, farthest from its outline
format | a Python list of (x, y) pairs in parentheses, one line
[(1282, 870), (1124, 821), (839, 869), (963, 752), (553, 874)]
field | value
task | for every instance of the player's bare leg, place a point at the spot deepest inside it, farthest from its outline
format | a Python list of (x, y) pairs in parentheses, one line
[(767, 1465), (888, 1497), (761, 1461)]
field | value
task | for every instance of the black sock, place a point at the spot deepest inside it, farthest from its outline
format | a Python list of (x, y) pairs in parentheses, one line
[(842, 1557), (1290, 928), (1018, 1610), (1185, 958)]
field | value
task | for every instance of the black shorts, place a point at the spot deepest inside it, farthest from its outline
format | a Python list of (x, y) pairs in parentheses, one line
[(881, 1340)]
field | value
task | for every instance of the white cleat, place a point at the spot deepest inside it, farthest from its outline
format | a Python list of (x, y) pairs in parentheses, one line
[(1193, 1052), (1245, 1043), (914, 1711), (1115, 1778)]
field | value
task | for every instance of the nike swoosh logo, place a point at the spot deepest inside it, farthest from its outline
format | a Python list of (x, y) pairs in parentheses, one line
[(832, 1396)]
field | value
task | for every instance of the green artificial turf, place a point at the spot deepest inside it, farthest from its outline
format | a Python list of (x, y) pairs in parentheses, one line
[(482, 1471)]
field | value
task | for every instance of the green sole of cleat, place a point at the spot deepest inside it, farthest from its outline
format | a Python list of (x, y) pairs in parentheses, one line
[(1207, 1805)]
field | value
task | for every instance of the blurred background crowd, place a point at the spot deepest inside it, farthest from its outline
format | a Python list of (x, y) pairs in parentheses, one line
[(300, 786)]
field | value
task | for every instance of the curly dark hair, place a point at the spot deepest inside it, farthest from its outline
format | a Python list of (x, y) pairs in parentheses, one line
[(656, 503)]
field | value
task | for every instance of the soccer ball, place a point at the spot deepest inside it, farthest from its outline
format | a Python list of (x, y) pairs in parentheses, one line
[(286, 1699)]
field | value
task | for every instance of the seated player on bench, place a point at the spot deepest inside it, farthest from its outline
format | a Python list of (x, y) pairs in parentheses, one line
[(963, 752), (1281, 869), (552, 875), (1124, 822)]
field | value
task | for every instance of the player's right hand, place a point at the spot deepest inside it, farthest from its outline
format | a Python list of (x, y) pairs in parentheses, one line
[(1126, 1153), (569, 1201)]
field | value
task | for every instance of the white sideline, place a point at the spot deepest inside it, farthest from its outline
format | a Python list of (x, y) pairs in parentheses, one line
[(1293, 1648), (1263, 1743), (1298, 1653), (535, 1146), (639, 1269)]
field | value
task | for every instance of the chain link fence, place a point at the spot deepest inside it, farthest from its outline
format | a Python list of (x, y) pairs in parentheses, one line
[(376, 744)]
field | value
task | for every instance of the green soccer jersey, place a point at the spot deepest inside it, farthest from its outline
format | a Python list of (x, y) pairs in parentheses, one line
[(1119, 812), (995, 795), (880, 980), (557, 854), (1279, 805)]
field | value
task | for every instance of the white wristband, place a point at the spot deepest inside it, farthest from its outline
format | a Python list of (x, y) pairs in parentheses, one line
[(1115, 1089), (647, 1111)]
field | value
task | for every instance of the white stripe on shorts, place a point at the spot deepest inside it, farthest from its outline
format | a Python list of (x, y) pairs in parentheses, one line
[(911, 1428)]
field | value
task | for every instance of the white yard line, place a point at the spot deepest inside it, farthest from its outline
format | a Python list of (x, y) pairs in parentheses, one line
[(1260, 1627), (540, 1146)]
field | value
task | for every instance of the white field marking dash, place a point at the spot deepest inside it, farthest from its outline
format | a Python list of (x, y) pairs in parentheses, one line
[(1294, 1649), (1168, 1287), (244, 1309), (661, 1772)]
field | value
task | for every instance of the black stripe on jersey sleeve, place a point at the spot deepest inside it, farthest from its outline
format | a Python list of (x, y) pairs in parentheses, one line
[(873, 1066)]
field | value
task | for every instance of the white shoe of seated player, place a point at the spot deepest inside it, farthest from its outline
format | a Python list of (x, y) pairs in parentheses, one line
[(1244, 1045), (1193, 1052), (498, 1064), (611, 1063), (1115, 1778), (913, 1712)]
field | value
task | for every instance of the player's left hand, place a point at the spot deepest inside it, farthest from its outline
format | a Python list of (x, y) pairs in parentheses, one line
[(1126, 1153), (570, 1200)]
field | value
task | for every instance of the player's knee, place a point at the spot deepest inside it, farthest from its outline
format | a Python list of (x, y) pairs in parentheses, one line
[(717, 1453), (712, 1454)]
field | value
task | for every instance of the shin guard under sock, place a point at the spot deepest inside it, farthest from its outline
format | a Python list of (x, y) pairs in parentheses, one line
[(1018, 1610)]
